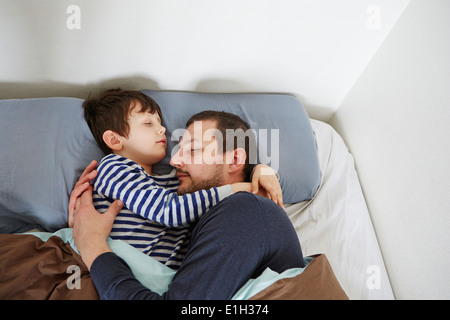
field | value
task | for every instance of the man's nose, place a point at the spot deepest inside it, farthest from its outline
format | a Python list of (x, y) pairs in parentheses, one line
[(177, 159)]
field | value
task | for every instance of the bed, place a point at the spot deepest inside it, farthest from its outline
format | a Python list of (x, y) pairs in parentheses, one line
[(45, 145)]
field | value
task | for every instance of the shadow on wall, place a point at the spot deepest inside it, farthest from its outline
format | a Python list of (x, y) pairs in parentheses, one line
[(19, 90), (61, 89), (234, 86)]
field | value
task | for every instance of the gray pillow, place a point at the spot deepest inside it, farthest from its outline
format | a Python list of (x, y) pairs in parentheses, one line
[(296, 160), (44, 147)]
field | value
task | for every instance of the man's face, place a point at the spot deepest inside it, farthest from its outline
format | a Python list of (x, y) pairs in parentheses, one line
[(199, 161)]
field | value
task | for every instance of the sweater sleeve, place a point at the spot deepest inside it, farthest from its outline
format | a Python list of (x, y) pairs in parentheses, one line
[(114, 280), (224, 254), (121, 178)]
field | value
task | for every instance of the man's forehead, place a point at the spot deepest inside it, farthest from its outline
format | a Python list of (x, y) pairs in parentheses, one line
[(203, 125), (199, 131)]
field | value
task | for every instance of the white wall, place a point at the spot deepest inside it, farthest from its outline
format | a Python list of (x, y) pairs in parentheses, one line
[(396, 122), (313, 49)]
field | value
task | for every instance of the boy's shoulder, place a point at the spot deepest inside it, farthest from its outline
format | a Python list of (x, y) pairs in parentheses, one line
[(113, 158), (119, 163), (116, 164)]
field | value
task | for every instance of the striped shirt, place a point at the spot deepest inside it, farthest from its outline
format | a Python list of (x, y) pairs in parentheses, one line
[(154, 219)]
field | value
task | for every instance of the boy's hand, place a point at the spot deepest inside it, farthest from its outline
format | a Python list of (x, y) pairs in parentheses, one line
[(81, 186), (265, 177)]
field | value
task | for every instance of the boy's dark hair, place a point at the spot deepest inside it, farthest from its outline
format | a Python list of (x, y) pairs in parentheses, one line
[(110, 111), (238, 131)]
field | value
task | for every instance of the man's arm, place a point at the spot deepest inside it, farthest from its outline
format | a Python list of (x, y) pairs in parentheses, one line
[(114, 280), (215, 267), (91, 228), (232, 243)]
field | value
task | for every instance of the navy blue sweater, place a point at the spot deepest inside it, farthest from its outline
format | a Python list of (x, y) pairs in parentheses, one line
[(232, 243)]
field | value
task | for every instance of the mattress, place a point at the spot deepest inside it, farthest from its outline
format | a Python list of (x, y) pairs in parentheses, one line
[(336, 222)]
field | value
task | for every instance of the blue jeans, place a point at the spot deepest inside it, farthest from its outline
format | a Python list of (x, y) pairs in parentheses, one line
[(235, 241)]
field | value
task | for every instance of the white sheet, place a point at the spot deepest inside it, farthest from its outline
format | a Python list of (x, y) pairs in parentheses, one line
[(336, 222)]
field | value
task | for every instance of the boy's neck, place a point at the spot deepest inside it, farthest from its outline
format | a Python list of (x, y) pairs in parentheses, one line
[(147, 168)]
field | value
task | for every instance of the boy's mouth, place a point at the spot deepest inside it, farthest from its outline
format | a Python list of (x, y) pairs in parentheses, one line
[(162, 141)]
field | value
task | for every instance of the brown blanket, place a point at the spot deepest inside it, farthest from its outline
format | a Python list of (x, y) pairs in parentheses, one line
[(31, 269), (39, 270), (316, 282)]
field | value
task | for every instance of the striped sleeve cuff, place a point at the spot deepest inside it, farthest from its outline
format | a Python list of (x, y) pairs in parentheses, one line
[(223, 192)]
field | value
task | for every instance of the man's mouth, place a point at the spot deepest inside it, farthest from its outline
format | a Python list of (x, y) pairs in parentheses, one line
[(181, 174)]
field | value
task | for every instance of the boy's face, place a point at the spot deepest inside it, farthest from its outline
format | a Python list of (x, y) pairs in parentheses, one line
[(146, 142)]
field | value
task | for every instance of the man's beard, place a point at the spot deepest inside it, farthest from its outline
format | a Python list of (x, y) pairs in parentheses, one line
[(215, 181)]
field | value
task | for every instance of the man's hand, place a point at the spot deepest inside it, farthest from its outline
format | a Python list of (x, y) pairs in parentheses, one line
[(81, 186), (92, 228), (265, 177)]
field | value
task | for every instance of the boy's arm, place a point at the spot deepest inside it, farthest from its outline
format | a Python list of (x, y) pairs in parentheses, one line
[(266, 182), (121, 180)]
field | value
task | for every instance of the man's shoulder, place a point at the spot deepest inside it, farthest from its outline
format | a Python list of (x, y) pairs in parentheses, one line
[(247, 196), (252, 202), (241, 210)]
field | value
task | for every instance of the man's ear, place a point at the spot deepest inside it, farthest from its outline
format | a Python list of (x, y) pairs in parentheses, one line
[(237, 161), (112, 140)]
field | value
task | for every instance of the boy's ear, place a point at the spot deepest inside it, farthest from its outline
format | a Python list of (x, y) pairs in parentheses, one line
[(112, 140)]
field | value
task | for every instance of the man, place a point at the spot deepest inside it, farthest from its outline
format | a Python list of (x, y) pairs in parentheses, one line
[(233, 242)]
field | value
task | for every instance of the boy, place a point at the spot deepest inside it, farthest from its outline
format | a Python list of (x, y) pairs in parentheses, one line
[(127, 126)]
